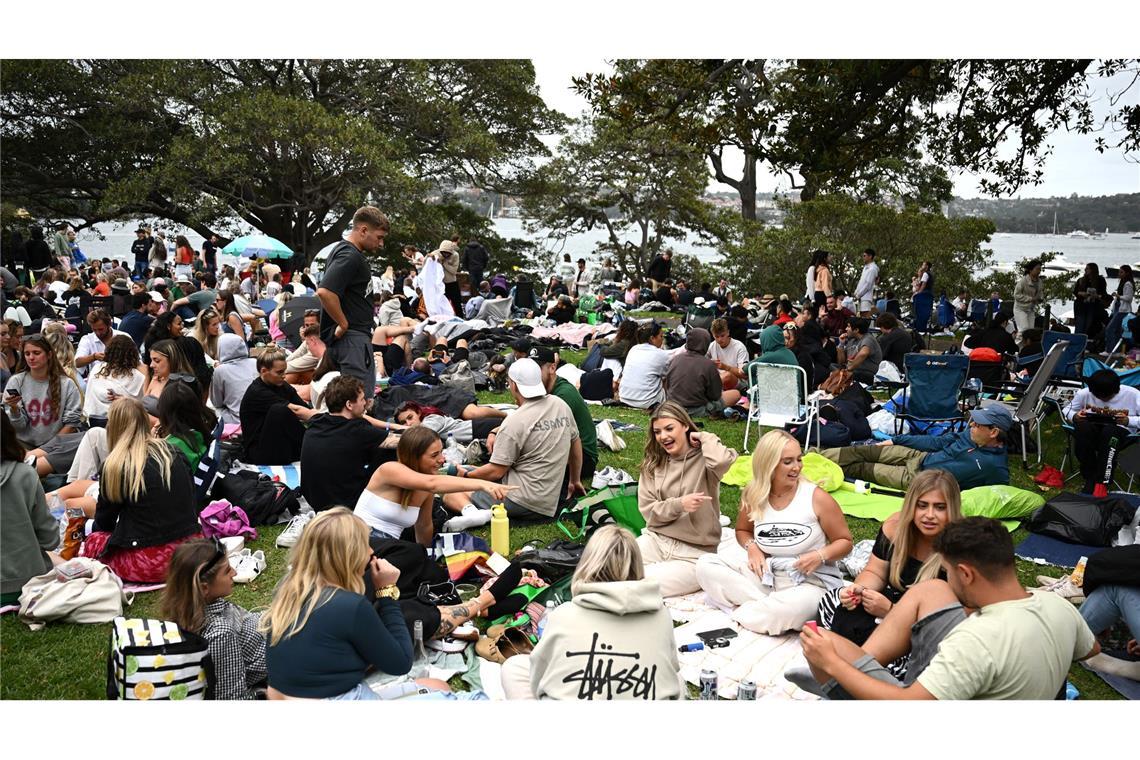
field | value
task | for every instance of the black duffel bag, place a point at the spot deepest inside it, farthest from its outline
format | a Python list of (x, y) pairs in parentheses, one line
[(262, 498), (1082, 519), (554, 561)]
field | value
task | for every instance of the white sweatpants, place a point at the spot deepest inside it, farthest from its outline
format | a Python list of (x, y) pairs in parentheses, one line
[(728, 580), (672, 563), (93, 449)]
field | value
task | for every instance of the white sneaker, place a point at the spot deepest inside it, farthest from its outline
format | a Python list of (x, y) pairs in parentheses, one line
[(601, 478), (248, 566), (620, 478), (605, 432), (293, 530)]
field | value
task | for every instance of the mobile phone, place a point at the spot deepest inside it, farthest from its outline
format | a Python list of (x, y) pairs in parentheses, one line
[(13, 392), (717, 638)]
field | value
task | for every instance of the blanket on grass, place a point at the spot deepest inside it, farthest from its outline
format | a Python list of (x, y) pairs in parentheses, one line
[(749, 657)]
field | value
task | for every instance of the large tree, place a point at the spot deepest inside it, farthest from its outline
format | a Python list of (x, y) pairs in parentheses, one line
[(637, 185), (289, 147), (872, 127)]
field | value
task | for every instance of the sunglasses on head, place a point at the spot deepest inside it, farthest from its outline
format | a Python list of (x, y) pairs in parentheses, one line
[(219, 554)]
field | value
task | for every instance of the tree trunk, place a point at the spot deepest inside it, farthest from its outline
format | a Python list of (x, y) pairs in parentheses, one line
[(810, 188), (747, 189)]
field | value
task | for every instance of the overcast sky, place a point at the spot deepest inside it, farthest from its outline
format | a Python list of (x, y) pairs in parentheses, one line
[(1074, 167)]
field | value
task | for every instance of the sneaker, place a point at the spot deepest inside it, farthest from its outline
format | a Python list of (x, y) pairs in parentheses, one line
[(620, 478), (601, 477), (248, 566), (607, 437), (1064, 588), (447, 644), (293, 530), (1049, 580)]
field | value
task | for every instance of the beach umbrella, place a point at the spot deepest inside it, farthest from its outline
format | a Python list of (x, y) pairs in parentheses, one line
[(258, 247), (291, 314)]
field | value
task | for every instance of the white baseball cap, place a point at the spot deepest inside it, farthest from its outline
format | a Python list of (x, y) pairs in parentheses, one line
[(528, 377)]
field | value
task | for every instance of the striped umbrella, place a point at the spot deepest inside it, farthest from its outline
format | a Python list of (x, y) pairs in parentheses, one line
[(258, 247)]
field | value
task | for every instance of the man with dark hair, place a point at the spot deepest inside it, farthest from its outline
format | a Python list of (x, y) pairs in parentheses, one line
[(140, 249), (342, 448), (1013, 645), (834, 321), (996, 336), (658, 270), (346, 319), (894, 342), (475, 260), (89, 352), (865, 290), (210, 253), (1103, 414), (975, 457), (692, 380), (272, 413), (858, 352), (303, 360), (137, 321)]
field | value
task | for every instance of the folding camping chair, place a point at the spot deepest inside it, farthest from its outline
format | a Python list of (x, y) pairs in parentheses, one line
[(976, 312), (524, 296), (1069, 368), (778, 396), (934, 384), (1031, 408)]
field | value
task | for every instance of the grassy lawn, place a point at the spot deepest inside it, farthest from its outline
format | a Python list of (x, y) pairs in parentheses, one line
[(69, 661)]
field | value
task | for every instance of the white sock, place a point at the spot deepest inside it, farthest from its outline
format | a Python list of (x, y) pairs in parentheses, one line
[(472, 517)]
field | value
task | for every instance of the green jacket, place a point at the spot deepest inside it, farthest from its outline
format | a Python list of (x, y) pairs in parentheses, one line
[(582, 418)]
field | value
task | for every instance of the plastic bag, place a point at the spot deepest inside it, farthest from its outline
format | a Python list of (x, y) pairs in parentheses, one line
[(1081, 519)]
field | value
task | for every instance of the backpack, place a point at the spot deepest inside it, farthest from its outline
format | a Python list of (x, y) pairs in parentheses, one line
[(262, 499), (155, 659), (593, 359), (459, 375)]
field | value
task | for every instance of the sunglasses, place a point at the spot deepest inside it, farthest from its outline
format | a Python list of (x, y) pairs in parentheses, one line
[(208, 568)]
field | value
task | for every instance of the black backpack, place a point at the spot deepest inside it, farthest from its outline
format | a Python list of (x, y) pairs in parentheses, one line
[(554, 561), (263, 499)]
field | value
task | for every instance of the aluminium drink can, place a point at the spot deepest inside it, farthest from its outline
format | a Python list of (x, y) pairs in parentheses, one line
[(746, 691), (708, 684)]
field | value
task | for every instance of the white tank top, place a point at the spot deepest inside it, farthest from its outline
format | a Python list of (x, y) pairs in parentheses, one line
[(793, 530), (384, 515)]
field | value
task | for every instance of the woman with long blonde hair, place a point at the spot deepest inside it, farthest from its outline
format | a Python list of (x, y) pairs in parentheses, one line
[(614, 607), (679, 496), (64, 350), (207, 328), (323, 634), (903, 555), (789, 534), (145, 507)]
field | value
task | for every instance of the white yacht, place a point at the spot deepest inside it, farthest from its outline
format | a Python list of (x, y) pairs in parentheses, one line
[(1080, 235)]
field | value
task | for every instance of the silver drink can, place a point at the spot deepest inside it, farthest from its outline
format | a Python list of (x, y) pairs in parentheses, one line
[(708, 684), (746, 690)]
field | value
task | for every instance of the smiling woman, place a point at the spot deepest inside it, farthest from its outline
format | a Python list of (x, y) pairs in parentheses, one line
[(679, 496), (789, 532)]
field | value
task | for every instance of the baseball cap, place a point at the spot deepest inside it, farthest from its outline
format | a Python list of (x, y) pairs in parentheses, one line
[(528, 377), (542, 355), (996, 415), (157, 297)]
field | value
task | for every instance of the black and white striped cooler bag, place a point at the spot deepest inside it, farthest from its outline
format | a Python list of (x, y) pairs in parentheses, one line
[(155, 659)]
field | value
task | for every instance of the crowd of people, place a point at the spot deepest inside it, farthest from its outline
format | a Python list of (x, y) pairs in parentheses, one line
[(118, 382)]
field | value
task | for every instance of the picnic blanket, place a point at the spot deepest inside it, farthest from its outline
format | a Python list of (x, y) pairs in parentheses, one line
[(749, 657), (573, 334), (1053, 551), (289, 474), (1126, 687)]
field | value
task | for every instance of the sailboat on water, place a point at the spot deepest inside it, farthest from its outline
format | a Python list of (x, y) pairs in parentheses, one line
[(1054, 232)]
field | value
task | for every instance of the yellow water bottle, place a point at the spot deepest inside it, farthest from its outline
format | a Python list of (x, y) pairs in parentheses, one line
[(500, 530)]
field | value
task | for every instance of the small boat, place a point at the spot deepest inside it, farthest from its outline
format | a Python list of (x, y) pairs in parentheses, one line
[(1135, 236), (1060, 265), (1101, 235), (1080, 235)]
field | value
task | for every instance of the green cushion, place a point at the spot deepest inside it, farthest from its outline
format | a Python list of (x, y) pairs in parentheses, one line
[(822, 471), (1001, 502)]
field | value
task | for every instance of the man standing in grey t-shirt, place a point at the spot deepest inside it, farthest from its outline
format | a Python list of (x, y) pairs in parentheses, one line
[(532, 448)]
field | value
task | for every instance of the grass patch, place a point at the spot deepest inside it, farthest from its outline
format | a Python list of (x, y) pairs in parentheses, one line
[(68, 661)]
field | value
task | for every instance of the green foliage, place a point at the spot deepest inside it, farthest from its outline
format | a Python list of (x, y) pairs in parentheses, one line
[(638, 185), (775, 260), (289, 147), (1117, 213)]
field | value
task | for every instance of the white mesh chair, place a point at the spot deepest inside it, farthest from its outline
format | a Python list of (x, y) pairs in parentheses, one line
[(778, 396)]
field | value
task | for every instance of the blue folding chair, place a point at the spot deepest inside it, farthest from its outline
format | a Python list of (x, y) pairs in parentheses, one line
[(976, 313), (1069, 368), (934, 384)]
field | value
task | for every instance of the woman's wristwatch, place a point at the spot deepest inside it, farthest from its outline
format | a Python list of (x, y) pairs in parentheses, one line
[(388, 592)]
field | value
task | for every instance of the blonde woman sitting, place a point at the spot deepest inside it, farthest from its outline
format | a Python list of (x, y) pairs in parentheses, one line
[(788, 534), (903, 555), (612, 640), (679, 496)]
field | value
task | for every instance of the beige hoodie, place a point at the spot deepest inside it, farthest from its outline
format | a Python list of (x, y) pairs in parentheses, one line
[(659, 494), (611, 641)]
